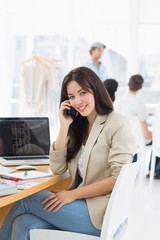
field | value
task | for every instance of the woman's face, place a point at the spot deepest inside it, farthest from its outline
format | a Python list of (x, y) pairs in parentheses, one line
[(80, 99)]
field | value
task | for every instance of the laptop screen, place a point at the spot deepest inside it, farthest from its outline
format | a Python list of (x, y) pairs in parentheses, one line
[(24, 136)]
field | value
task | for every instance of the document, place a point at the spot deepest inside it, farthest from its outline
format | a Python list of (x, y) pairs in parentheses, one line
[(4, 170), (7, 188), (19, 185), (31, 174)]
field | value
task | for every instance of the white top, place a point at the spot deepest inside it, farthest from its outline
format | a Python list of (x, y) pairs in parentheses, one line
[(131, 106), (80, 162)]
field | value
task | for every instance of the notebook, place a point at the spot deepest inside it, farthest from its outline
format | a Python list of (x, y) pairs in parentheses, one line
[(27, 175), (7, 189), (24, 140)]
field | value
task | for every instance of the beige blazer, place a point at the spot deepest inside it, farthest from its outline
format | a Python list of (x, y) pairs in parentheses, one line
[(109, 146)]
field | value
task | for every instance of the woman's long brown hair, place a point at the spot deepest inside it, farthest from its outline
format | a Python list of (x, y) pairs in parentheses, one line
[(90, 82)]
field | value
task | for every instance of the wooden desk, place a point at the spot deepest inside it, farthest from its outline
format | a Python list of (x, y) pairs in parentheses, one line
[(49, 183)]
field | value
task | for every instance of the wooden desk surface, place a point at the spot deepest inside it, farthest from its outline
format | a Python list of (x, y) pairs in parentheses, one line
[(44, 183)]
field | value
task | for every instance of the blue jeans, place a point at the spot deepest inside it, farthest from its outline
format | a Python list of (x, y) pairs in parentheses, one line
[(28, 214)]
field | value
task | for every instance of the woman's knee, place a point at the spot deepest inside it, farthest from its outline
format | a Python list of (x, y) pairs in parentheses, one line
[(27, 221)]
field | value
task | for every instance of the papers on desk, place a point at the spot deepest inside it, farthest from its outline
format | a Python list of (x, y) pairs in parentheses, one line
[(4, 170), (31, 174), (7, 188), (25, 185), (19, 185)]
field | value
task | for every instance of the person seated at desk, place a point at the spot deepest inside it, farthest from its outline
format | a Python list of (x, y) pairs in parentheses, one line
[(132, 106), (93, 146)]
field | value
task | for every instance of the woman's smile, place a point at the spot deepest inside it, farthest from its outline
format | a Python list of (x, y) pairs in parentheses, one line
[(81, 109)]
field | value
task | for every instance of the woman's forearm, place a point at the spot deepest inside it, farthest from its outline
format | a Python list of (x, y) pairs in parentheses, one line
[(96, 189), (61, 141)]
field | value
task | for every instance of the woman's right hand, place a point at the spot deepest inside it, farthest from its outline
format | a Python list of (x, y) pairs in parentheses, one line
[(65, 120), (59, 198)]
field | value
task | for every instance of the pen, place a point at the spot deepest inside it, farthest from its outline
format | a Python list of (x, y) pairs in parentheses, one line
[(10, 178)]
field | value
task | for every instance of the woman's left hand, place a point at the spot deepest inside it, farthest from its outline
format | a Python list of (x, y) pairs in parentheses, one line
[(57, 200)]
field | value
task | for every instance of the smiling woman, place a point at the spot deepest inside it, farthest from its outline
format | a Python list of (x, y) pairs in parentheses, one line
[(93, 147)]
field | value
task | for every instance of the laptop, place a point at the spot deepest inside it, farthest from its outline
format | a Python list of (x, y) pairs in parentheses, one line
[(24, 141)]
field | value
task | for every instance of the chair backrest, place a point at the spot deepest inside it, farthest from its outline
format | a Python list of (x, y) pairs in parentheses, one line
[(116, 217), (138, 133)]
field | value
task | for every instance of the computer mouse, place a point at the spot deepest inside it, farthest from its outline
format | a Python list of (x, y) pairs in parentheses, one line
[(26, 167)]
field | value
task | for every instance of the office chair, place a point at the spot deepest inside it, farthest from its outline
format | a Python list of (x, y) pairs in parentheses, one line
[(140, 144), (138, 134), (115, 221)]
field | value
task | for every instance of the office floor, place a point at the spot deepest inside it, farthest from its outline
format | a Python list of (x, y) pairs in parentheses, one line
[(144, 217)]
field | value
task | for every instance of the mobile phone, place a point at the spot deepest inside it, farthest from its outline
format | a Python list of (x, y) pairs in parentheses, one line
[(72, 112)]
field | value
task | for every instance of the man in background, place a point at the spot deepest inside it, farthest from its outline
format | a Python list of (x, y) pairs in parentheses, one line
[(131, 105), (96, 52)]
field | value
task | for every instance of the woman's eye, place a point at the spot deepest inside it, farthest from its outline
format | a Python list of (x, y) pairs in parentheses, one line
[(71, 97), (84, 92)]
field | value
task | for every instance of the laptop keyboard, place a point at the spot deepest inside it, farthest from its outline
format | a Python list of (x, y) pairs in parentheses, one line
[(26, 157)]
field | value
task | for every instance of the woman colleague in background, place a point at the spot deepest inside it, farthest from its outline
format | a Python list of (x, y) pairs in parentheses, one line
[(93, 145)]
